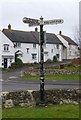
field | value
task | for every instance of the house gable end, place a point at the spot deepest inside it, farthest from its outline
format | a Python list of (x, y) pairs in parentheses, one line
[(69, 40)]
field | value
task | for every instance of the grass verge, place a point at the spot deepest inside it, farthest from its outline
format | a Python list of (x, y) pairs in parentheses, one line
[(53, 111), (53, 77)]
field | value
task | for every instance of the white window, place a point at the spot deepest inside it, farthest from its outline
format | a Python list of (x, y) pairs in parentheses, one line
[(27, 50), (51, 50), (34, 56), (10, 60), (34, 45), (17, 44), (70, 53), (57, 46), (6, 47), (57, 55)]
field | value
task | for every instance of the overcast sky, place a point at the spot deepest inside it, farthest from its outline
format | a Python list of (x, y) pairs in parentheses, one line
[(13, 11)]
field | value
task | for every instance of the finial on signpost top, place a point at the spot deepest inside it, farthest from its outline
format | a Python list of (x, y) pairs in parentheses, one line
[(41, 21), (41, 18)]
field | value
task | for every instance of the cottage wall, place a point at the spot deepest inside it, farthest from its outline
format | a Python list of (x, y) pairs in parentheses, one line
[(69, 51), (9, 55)]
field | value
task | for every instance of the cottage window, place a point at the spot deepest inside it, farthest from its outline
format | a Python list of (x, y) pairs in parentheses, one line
[(27, 50), (34, 56), (57, 46), (34, 45), (70, 53), (57, 55), (6, 47), (51, 50), (17, 44), (10, 60)]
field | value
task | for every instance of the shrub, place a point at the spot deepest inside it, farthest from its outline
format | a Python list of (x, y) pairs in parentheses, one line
[(19, 61), (35, 63), (55, 59), (17, 64)]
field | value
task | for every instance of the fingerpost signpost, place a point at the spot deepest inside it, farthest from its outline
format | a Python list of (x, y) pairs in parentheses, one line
[(35, 22)]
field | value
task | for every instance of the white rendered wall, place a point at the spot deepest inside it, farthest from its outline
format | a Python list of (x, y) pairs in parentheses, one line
[(48, 49), (71, 51), (6, 54), (27, 57), (0, 49)]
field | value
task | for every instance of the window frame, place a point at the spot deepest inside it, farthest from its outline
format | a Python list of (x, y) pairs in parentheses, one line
[(6, 47), (57, 46), (52, 50), (27, 50), (34, 45), (17, 44), (34, 56)]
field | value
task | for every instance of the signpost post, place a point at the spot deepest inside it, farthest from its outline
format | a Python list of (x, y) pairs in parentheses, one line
[(41, 23)]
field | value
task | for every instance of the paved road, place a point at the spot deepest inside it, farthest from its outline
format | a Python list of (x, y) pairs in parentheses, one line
[(29, 85), (12, 81)]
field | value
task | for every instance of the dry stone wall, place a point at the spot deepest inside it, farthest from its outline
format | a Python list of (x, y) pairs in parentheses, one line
[(31, 98), (53, 72)]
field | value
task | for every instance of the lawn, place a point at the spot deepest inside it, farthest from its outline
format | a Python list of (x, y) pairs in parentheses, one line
[(52, 73), (53, 111), (0, 113), (53, 77)]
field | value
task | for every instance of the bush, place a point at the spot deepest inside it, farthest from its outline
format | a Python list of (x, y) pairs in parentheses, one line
[(35, 63), (19, 61), (17, 64), (55, 59)]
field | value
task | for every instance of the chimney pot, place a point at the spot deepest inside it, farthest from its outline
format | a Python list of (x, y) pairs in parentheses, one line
[(36, 29), (60, 32), (9, 27)]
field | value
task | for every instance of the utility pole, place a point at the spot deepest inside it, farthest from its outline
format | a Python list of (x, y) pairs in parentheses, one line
[(41, 23)]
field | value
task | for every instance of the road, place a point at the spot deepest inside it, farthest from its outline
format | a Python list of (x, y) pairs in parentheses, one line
[(35, 85), (12, 81)]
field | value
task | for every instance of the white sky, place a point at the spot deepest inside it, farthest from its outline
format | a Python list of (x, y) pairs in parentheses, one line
[(13, 11)]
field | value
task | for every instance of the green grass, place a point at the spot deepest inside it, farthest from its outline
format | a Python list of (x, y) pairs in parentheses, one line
[(53, 111), (0, 113), (53, 77)]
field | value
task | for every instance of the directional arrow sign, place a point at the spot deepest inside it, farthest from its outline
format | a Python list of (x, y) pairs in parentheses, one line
[(55, 21), (31, 22), (35, 22)]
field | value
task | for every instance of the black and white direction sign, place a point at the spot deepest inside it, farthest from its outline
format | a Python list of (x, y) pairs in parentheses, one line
[(35, 22), (55, 21)]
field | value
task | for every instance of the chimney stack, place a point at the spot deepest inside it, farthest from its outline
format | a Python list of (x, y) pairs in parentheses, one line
[(36, 29), (9, 27), (60, 32)]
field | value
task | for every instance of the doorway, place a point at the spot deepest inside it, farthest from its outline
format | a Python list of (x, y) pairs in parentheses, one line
[(5, 62)]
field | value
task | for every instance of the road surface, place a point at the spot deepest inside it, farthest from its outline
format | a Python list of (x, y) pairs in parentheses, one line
[(12, 81), (35, 85)]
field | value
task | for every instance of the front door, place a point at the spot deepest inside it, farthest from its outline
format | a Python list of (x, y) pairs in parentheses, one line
[(5, 62)]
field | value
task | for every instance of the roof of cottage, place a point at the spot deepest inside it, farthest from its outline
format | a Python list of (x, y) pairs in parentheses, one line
[(29, 37), (69, 40)]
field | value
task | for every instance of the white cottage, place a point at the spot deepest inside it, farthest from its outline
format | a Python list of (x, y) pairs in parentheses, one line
[(27, 45), (6, 51), (70, 48)]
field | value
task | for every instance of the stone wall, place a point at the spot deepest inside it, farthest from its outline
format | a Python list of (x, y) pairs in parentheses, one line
[(31, 98), (50, 71)]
